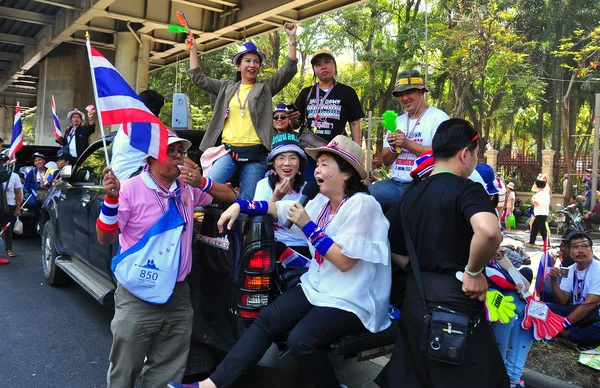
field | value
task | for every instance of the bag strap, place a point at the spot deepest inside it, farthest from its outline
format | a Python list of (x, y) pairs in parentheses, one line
[(412, 254)]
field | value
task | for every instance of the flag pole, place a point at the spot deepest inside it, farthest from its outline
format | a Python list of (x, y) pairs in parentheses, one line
[(89, 51)]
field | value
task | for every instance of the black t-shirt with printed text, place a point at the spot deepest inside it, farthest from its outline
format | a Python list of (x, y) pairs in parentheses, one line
[(341, 106), (438, 212)]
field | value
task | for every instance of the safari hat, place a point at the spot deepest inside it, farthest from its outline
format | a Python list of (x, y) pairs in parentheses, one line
[(248, 47), (285, 142), (409, 79), (71, 113), (322, 53), (345, 148)]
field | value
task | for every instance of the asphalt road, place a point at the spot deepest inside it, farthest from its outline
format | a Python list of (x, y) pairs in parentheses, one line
[(60, 336)]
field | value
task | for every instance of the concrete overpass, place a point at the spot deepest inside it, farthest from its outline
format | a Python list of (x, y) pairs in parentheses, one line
[(42, 44)]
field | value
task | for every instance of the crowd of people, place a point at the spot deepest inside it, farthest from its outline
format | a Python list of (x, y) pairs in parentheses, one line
[(435, 225)]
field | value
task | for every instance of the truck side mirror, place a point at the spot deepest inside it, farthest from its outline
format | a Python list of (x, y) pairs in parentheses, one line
[(66, 172)]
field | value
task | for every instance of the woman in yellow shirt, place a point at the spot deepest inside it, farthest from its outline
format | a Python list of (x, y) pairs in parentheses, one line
[(242, 116)]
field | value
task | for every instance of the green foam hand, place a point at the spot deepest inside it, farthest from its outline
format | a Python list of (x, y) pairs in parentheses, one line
[(389, 120), (499, 308)]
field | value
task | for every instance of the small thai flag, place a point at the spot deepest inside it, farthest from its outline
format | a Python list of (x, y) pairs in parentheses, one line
[(544, 269), (57, 132), (292, 259), (17, 134)]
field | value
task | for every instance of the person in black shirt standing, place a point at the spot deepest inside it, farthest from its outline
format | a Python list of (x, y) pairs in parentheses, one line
[(453, 226), (325, 107), (76, 137)]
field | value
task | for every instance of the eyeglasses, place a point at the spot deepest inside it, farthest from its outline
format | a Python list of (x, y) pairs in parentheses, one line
[(173, 152), (289, 159), (580, 246), (276, 118)]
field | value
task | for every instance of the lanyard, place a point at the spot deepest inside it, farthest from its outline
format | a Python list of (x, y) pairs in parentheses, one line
[(409, 134), (40, 176), (319, 103), (324, 219), (164, 192), (243, 107)]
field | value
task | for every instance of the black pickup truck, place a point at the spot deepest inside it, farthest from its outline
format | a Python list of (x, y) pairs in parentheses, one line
[(233, 275)]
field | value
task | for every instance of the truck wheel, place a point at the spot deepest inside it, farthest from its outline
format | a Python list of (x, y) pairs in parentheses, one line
[(54, 275)]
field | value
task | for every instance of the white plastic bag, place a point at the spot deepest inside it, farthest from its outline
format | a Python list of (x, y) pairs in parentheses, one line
[(18, 228)]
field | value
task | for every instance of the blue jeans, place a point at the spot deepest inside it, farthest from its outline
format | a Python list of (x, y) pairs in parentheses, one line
[(387, 192), (513, 341), (587, 204), (250, 173), (589, 335)]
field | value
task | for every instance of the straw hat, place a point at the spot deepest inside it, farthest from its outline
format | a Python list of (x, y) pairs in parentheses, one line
[(346, 149)]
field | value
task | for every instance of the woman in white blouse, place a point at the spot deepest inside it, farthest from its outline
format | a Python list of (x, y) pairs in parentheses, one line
[(347, 286)]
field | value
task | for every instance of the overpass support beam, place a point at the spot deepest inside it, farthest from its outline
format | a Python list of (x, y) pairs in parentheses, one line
[(132, 59)]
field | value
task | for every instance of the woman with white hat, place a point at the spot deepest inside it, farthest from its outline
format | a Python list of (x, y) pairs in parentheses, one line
[(347, 286), (242, 116), (76, 137)]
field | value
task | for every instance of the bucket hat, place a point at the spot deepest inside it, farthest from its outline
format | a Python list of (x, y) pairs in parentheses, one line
[(484, 174), (345, 148), (409, 79), (71, 113), (285, 142), (248, 47)]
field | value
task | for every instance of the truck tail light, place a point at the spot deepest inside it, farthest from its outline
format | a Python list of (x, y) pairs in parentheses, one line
[(260, 261), (249, 314), (257, 283), (254, 300)]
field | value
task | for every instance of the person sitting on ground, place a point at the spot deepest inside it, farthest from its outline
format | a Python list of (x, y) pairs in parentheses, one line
[(76, 137), (347, 286), (14, 196), (541, 210), (593, 217), (242, 118), (281, 119), (36, 182), (564, 261), (578, 295)]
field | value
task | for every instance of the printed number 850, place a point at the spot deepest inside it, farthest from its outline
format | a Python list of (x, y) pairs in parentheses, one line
[(148, 275)]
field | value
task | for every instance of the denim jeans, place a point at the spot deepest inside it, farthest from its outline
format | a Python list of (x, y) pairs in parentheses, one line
[(387, 192), (587, 204), (250, 173), (513, 341)]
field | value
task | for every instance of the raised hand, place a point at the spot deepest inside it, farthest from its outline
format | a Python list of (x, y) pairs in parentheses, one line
[(110, 183)]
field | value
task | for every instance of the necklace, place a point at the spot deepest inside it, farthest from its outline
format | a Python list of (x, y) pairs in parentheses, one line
[(243, 107)]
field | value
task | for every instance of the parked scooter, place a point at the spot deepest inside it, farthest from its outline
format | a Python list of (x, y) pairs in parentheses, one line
[(569, 218)]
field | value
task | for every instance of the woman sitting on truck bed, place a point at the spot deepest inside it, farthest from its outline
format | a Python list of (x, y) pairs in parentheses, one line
[(285, 182), (347, 286)]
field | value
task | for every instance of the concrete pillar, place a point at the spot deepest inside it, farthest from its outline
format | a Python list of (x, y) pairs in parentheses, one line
[(3, 124), (492, 158), (548, 163), (64, 73), (126, 57), (143, 64), (9, 121)]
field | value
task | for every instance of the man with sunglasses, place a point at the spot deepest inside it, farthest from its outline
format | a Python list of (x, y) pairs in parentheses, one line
[(154, 212), (578, 295), (413, 137)]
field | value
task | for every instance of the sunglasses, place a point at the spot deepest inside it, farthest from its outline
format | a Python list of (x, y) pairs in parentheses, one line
[(173, 152), (277, 118)]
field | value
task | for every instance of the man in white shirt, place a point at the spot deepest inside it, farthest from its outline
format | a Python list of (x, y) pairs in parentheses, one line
[(578, 295), (414, 132), (14, 197)]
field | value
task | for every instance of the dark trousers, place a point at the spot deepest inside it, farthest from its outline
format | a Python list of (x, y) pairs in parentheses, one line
[(539, 225), (587, 222), (313, 329), (8, 234), (586, 331)]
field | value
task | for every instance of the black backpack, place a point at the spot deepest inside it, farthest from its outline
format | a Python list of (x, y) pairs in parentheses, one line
[(5, 173)]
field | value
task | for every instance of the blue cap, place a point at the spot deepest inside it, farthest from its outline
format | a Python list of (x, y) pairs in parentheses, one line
[(281, 107), (484, 174), (248, 47)]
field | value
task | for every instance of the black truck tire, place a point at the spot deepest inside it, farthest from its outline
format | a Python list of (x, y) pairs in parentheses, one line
[(54, 275)]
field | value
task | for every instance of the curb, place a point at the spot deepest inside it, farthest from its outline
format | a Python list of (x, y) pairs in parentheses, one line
[(535, 379)]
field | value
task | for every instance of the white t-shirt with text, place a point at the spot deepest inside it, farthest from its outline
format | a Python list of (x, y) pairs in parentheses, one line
[(590, 280), (422, 134)]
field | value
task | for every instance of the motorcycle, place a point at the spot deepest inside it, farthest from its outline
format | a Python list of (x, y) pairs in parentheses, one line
[(569, 218)]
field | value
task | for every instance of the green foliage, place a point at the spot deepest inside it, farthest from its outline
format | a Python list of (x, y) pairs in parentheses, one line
[(28, 124)]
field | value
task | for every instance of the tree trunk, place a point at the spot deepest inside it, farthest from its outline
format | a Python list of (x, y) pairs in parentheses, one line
[(540, 134)]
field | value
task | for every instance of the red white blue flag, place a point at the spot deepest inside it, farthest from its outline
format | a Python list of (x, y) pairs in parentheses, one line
[(118, 104), (544, 269), (17, 134), (292, 259), (57, 131)]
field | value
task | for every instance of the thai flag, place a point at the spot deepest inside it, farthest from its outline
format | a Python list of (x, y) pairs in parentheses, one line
[(118, 104), (57, 131), (292, 259), (544, 268), (17, 134)]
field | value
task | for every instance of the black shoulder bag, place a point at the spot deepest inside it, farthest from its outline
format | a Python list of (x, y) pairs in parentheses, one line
[(446, 330)]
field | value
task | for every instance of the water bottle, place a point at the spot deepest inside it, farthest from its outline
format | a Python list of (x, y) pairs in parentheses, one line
[(393, 313)]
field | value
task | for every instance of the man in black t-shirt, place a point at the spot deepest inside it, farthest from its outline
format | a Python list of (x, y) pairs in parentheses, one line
[(453, 227), (328, 105)]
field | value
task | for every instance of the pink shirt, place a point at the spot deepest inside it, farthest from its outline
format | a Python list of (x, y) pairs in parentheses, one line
[(139, 210)]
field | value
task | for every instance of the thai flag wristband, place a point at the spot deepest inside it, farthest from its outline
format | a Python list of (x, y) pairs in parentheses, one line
[(393, 149), (566, 323), (107, 221), (317, 237), (253, 207), (207, 184)]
